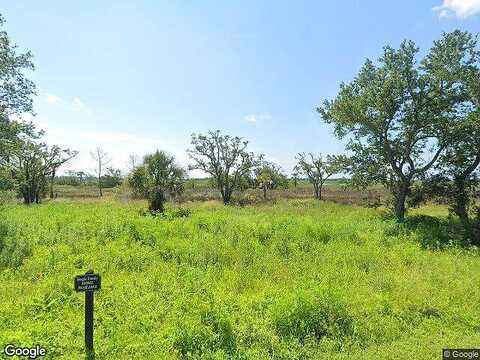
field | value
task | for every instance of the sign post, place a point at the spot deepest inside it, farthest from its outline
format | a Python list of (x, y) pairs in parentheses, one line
[(88, 283)]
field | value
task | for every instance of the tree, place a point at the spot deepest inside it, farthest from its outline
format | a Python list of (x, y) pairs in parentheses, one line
[(112, 177), (454, 64), (295, 175), (16, 92), (392, 115), (225, 158), (159, 178), (81, 175), (269, 176), (31, 166), (101, 158), (318, 170)]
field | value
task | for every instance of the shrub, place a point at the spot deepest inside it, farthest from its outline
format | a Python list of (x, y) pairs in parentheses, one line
[(13, 249), (179, 212), (213, 334), (312, 315)]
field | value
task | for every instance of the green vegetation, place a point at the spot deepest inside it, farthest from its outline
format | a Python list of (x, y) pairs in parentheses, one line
[(225, 159), (406, 119), (269, 176), (319, 170), (278, 277), (157, 178), (298, 279)]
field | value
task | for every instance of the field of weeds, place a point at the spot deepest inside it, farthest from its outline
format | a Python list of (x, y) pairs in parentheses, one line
[(295, 279)]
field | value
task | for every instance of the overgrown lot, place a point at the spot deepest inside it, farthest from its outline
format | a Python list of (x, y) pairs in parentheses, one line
[(298, 279)]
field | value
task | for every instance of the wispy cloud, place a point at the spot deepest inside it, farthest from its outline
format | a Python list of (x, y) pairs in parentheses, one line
[(74, 102), (459, 8), (253, 118), (79, 104), (53, 99)]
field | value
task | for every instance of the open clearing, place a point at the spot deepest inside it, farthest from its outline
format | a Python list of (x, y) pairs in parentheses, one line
[(297, 279)]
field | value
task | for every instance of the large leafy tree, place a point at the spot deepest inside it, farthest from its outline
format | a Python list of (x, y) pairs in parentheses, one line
[(225, 158), (16, 92), (454, 65), (16, 89), (318, 169), (392, 114), (32, 165)]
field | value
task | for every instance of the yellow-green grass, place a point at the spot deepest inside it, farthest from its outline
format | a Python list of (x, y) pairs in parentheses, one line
[(298, 279)]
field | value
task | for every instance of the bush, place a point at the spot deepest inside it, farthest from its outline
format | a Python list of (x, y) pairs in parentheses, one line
[(13, 249), (174, 213), (312, 315), (213, 334), (179, 213)]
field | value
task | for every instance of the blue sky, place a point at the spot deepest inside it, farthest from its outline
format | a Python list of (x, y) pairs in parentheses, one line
[(133, 76)]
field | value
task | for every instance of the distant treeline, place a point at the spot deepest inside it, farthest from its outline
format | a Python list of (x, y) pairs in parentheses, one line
[(111, 178)]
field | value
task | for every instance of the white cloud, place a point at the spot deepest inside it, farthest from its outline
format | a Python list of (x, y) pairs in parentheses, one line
[(253, 118), (459, 8), (74, 102), (79, 104), (53, 99)]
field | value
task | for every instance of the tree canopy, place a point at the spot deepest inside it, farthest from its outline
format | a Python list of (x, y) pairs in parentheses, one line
[(394, 115), (318, 169), (223, 157), (454, 64)]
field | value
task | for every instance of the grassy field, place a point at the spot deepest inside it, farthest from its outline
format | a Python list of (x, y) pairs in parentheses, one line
[(298, 279)]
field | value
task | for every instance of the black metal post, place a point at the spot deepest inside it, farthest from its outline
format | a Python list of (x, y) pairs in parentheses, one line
[(89, 320)]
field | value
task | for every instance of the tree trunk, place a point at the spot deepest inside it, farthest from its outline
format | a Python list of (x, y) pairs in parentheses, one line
[(226, 194), (100, 177), (400, 199), (28, 195), (317, 192), (226, 197), (264, 192), (461, 209), (157, 198), (52, 179)]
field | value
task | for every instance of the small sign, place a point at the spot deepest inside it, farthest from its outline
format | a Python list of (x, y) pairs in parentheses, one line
[(88, 282)]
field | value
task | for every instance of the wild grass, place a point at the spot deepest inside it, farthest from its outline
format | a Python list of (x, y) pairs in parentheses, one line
[(296, 279)]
